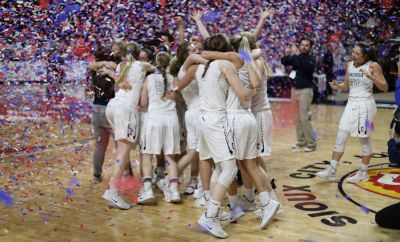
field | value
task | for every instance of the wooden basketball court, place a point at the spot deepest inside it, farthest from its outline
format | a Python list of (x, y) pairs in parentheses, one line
[(47, 172)]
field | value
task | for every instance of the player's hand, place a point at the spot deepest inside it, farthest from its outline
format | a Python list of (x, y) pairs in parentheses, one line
[(170, 95), (366, 73), (334, 85), (196, 16)]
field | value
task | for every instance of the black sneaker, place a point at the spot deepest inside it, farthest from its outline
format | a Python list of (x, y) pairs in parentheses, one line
[(97, 179), (298, 146), (310, 148)]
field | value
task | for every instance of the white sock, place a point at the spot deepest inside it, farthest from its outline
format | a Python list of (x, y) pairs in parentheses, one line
[(233, 200), (249, 194), (113, 185), (364, 167), (213, 208), (334, 163), (272, 195), (264, 198), (199, 184), (146, 186), (207, 195)]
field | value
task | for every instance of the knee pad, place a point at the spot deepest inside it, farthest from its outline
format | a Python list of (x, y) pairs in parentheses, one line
[(341, 139), (366, 146), (229, 172), (216, 173)]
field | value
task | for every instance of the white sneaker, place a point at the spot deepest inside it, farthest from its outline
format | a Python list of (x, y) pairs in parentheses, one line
[(360, 176), (160, 183), (146, 197), (258, 213), (328, 173), (181, 178), (235, 214), (212, 225), (175, 197), (268, 212), (198, 193), (191, 187), (202, 202), (223, 215), (115, 199), (247, 205)]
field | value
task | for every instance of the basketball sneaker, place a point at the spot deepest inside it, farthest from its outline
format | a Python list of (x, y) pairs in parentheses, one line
[(175, 197), (360, 176), (115, 199), (268, 212), (247, 205), (146, 197), (328, 173), (234, 214), (198, 193), (212, 225), (191, 187), (202, 202)]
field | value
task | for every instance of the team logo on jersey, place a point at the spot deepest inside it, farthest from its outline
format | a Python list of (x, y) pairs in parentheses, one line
[(384, 181)]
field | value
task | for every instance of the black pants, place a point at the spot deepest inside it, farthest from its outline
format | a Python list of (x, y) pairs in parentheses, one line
[(389, 217)]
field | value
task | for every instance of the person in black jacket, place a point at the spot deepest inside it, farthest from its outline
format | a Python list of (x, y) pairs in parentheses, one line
[(302, 91), (394, 143), (103, 88)]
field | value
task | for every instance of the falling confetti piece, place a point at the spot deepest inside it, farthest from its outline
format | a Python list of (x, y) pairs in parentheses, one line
[(314, 134), (6, 199), (245, 56), (74, 182), (69, 192)]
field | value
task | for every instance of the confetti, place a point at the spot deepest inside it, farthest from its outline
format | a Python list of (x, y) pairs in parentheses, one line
[(69, 192), (245, 56), (6, 199)]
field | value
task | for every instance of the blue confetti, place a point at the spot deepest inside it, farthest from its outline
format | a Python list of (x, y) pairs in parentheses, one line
[(69, 192), (74, 181), (245, 56), (6, 199)]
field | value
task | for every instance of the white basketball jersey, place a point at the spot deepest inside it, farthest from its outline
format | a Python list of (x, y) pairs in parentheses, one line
[(213, 88), (191, 92), (155, 89), (360, 84), (135, 77), (260, 99), (233, 101)]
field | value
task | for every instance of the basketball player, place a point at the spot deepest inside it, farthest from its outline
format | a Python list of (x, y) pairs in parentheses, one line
[(357, 119), (215, 138), (122, 115), (161, 130), (244, 127), (190, 93)]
